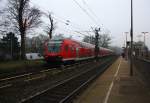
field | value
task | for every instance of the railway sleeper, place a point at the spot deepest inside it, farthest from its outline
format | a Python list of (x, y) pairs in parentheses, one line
[(73, 85)]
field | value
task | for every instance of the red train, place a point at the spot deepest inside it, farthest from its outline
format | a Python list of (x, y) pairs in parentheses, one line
[(68, 50)]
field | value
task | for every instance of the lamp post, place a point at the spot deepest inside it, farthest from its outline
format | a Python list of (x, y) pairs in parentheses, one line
[(131, 34), (144, 37), (126, 33)]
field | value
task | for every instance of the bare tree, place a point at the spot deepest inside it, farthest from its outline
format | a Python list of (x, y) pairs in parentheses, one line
[(3, 24), (36, 43), (23, 19), (104, 40), (50, 27)]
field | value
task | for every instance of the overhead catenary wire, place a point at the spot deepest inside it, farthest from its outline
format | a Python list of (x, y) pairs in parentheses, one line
[(56, 17), (89, 8), (72, 31), (70, 22), (86, 12), (77, 31), (91, 16), (67, 22), (92, 12)]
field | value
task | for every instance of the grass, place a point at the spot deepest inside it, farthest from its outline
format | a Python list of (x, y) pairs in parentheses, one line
[(16, 66)]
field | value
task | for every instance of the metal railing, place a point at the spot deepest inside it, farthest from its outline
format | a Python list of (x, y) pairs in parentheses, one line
[(143, 67)]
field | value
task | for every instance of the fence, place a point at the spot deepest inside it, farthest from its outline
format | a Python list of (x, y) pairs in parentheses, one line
[(143, 66)]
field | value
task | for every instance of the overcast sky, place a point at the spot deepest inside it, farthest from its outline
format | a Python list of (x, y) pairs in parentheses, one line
[(114, 15)]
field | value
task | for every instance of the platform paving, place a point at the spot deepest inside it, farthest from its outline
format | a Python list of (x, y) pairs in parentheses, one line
[(116, 85)]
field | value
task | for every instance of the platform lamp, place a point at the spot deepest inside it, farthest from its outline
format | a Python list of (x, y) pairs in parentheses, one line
[(126, 34)]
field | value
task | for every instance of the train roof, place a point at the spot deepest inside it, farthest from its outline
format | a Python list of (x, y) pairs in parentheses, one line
[(82, 44)]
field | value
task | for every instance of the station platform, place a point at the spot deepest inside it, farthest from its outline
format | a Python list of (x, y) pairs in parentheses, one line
[(116, 85)]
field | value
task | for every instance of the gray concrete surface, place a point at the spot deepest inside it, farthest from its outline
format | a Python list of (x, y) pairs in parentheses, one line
[(115, 85)]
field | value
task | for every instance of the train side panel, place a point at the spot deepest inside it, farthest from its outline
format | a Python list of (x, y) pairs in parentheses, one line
[(71, 50)]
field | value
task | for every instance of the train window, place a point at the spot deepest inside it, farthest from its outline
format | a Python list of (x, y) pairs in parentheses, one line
[(77, 52), (54, 47)]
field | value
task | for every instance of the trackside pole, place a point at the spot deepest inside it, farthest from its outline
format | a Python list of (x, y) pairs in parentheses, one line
[(96, 43)]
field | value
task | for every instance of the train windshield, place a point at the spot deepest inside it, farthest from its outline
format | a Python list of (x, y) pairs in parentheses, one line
[(54, 47)]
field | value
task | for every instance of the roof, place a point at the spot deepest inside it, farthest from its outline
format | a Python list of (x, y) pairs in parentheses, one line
[(81, 43)]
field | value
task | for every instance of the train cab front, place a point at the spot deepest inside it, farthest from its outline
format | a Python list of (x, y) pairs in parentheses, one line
[(53, 52)]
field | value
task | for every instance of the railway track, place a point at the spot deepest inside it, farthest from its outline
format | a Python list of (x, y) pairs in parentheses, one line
[(21, 89), (64, 91), (45, 69), (13, 80)]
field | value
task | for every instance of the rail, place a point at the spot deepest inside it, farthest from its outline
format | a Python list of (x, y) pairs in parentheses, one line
[(67, 89)]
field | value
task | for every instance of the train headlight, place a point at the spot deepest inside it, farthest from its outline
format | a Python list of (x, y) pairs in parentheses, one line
[(59, 56)]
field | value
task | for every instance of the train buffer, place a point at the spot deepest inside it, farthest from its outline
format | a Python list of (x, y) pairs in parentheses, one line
[(116, 85)]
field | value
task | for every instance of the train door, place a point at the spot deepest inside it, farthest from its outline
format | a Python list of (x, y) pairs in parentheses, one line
[(73, 51), (66, 51), (77, 52)]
